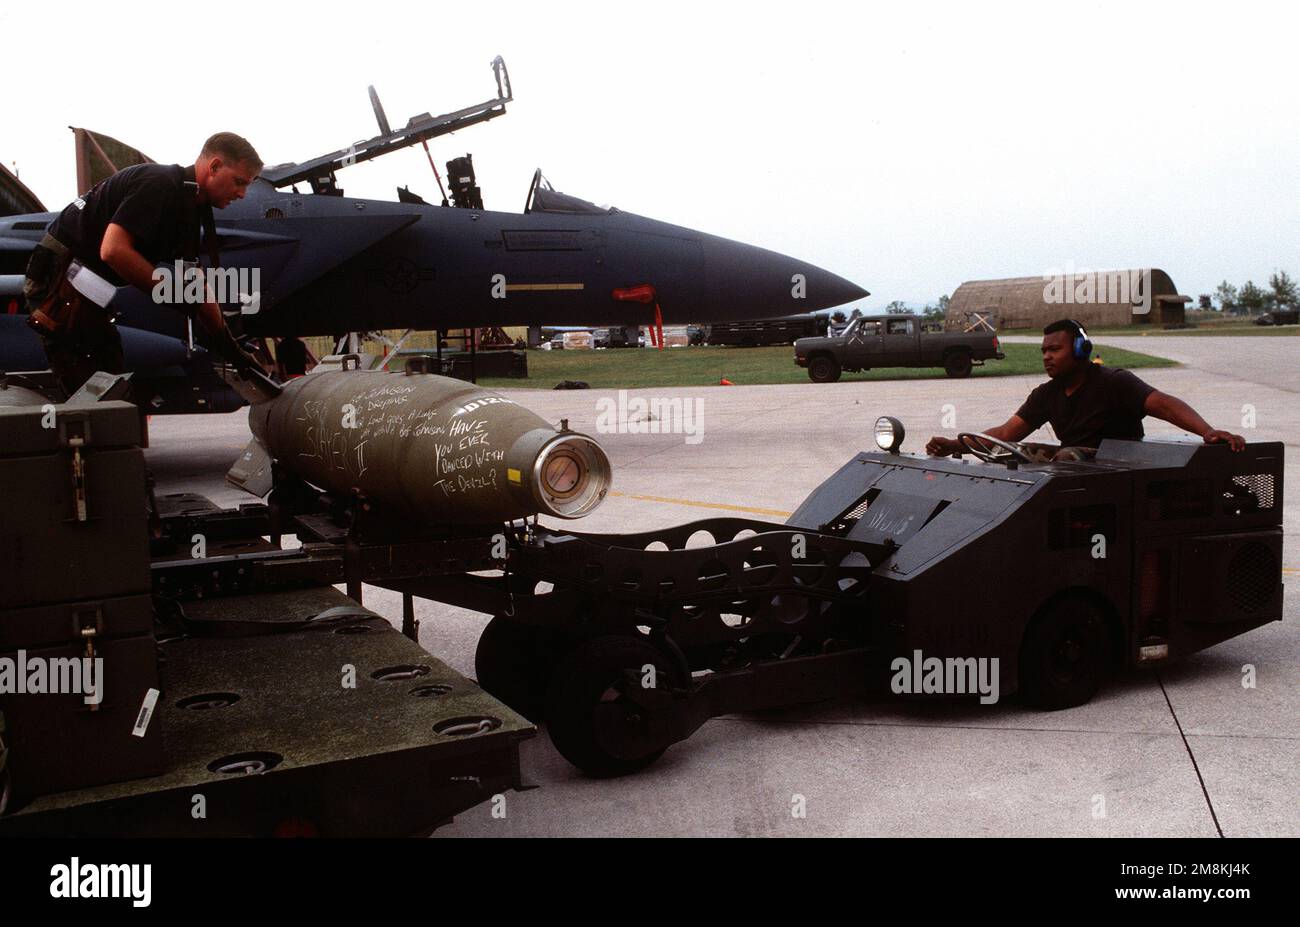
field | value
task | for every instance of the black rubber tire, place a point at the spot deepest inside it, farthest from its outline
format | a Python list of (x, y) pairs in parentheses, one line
[(957, 364), (514, 662), (583, 681), (1064, 656), (823, 369)]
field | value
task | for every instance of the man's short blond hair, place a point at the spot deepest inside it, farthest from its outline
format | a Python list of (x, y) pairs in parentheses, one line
[(233, 148)]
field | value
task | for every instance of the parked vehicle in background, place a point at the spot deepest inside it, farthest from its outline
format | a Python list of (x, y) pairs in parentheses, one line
[(1280, 317), (577, 340), (620, 336), (754, 332), (894, 341)]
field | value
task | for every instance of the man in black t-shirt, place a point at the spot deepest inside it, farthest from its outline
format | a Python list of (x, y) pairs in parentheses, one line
[(1085, 402), (113, 236)]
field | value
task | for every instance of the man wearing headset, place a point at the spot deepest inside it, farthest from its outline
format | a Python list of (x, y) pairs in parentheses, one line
[(1086, 402)]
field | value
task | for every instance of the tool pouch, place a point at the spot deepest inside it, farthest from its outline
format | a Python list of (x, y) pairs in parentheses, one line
[(57, 310), (63, 312)]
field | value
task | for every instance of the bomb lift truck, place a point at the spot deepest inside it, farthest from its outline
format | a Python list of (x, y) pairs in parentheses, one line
[(1150, 551)]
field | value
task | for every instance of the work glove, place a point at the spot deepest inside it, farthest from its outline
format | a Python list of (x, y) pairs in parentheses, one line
[(230, 349), (246, 362)]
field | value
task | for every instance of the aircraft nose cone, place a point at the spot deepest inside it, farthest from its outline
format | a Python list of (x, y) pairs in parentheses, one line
[(704, 278), (746, 282)]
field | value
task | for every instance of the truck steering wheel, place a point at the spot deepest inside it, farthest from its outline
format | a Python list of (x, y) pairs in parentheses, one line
[(1011, 449)]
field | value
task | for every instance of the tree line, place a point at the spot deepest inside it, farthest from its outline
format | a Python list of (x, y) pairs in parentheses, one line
[(1250, 299)]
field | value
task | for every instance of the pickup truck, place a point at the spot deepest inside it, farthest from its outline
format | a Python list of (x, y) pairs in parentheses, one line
[(1279, 317), (894, 341)]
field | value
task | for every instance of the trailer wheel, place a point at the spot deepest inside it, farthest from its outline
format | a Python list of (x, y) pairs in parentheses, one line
[(824, 369), (1064, 656), (957, 364), (600, 713), (514, 663)]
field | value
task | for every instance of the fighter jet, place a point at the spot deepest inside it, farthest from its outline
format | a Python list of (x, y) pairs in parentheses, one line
[(321, 263)]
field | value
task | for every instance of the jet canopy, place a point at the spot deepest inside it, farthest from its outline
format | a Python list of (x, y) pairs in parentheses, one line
[(544, 198)]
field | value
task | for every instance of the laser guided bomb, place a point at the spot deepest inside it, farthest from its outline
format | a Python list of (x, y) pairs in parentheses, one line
[(425, 446)]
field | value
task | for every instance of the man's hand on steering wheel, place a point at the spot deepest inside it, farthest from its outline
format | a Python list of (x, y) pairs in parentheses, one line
[(939, 446), (979, 444)]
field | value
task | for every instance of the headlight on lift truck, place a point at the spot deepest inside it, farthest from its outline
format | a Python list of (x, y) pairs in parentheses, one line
[(889, 434)]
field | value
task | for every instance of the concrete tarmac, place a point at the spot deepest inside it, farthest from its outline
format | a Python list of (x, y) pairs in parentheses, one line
[(1185, 750)]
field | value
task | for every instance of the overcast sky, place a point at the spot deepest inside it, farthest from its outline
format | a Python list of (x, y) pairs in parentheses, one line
[(908, 147)]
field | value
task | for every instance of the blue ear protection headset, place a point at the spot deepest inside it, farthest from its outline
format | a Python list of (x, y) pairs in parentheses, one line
[(1082, 344)]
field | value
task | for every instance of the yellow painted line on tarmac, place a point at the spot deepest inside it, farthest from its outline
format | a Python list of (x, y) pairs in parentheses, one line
[(704, 505)]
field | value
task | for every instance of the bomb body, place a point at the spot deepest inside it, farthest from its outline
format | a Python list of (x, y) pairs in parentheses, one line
[(429, 447)]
